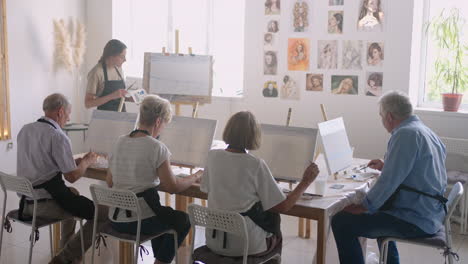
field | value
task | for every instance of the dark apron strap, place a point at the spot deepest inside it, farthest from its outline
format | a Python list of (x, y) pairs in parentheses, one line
[(42, 120), (389, 203)]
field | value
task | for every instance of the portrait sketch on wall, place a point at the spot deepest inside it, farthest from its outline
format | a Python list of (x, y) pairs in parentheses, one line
[(268, 39), (300, 16), (374, 84), (371, 16), (335, 2), (298, 54), (270, 89), (375, 54), (314, 82), (273, 26), (344, 84), (289, 88), (335, 22), (270, 63), (272, 7), (351, 59), (327, 54)]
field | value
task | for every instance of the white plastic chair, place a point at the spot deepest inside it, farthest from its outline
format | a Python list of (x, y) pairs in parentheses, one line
[(441, 240), (223, 221), (457, 161), (125, 200), (24, 187)]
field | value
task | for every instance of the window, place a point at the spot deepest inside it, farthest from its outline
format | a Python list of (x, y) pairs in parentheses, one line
[(430, 90), (214, 27), (5, 129)]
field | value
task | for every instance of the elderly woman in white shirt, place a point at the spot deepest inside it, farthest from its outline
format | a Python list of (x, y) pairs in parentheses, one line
[(140, 163), (240, 182)]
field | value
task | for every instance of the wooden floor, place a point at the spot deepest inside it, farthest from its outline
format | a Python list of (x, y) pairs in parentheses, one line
[(295, 250)]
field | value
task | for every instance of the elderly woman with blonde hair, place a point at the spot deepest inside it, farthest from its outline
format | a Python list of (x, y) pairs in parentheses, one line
[(140, 163)]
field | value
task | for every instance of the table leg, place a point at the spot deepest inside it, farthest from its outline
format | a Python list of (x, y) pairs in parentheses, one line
[(308, 225), (203, 203), (322, 226), (56, 233), (125, 253), (168, 199), (301, 227)]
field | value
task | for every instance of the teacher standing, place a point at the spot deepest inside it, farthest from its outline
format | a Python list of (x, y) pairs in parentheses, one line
[(106, 84)]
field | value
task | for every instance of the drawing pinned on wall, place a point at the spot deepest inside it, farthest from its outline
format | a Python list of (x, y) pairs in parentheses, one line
[(335, 22), (273, 26), (352, 55), (300, 16), (344, 84), (270, 63), (335, 2), (272, 7), (289, 89), (374, 84), (314, 82), (298, 54), (375, 54), (371, 16), (268, 39), (327, 54), (270, 89)]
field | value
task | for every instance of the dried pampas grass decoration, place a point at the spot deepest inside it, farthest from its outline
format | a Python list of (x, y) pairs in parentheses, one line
[(69, 54)]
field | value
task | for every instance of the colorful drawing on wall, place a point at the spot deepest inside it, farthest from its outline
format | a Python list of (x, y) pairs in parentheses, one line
[(272, 7), (344, 84), (270, 63), (352, 55), (375, 54), (335, 2), (273, 26), (300, 16), (327, 54), (268, 39), (335, 22), (374, 83), (314, 82), (371, 16), (298, 54), (289, 89), (270, 89)]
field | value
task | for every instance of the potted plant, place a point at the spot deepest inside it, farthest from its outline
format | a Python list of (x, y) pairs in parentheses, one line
[(450, 66)]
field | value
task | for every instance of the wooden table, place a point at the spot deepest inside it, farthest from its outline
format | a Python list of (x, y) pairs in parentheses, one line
[(319, 209)]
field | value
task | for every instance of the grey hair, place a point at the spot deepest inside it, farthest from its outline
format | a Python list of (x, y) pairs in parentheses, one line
[(397, 103), (54, 102), (154, 107)]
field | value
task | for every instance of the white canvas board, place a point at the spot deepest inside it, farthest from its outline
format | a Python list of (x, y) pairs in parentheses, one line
[(106, 127), (189, 139), (335, 144), (287, 150), (180, 75)]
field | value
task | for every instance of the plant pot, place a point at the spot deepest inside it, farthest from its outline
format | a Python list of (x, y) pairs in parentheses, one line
[(451, 101)]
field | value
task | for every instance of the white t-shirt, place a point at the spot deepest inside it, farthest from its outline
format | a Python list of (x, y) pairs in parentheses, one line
[(133, 164), (235, 182)]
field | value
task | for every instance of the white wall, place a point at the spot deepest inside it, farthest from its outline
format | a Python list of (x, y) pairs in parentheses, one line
[(31, 63)]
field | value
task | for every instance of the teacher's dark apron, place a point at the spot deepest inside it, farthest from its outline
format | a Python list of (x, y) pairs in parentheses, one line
[(110, 87), (74, 204)]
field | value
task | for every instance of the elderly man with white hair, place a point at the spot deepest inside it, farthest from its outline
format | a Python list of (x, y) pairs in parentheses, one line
[(407, 200), (44, 155)]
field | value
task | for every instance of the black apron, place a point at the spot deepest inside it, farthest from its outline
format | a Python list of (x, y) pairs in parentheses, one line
[(76, 205), (110, 87)]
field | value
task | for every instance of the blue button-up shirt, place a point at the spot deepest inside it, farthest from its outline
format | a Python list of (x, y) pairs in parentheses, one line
[(415, 157)]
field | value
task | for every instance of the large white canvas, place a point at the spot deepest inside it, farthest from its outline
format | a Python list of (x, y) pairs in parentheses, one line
[(335, 143), (287, 150), (106, 127), (189, 139)]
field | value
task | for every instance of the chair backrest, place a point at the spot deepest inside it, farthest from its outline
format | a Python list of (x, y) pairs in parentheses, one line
[(16, 184), (457, 154), (454, 196), (123, 199)]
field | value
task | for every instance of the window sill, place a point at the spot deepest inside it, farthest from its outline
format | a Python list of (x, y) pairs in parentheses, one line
[(439, 112)]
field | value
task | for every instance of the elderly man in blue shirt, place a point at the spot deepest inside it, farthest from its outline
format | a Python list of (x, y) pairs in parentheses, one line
[(406, 201)]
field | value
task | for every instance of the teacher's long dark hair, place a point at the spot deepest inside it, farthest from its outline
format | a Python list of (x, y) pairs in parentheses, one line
[(113, 48)]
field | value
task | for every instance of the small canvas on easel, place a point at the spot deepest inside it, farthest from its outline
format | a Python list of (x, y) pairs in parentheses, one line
[(189, 140), (106, 127), (287, 150), (179, 78), (335, 144)]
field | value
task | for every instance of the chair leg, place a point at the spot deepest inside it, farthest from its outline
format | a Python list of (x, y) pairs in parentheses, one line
[(83, 261), (31, 244), (464, 207), (51, 242)]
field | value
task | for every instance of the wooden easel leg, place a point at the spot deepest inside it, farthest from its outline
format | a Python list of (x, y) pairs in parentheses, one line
[(125, 253), (301, 227), (168, 199), (308, 225), (56, 232)]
